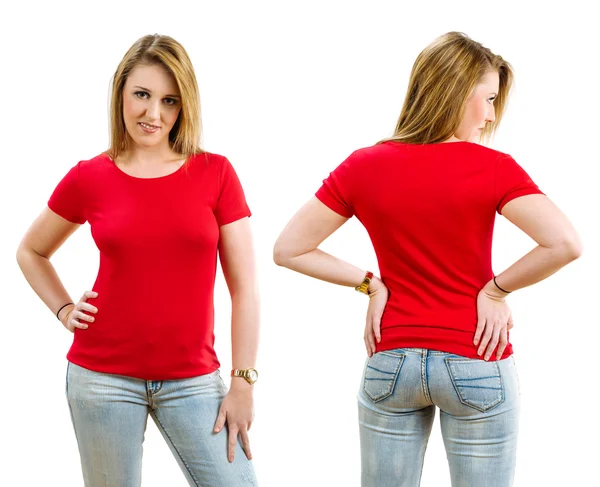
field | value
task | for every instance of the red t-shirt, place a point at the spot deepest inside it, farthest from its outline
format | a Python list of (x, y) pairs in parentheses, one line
[(158, 241), (429, 210)]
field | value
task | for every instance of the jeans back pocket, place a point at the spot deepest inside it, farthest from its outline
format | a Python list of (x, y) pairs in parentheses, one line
[(381, 374), (478, 383)]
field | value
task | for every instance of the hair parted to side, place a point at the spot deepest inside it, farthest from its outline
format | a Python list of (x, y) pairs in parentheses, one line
[(165, 51), (441, 81)]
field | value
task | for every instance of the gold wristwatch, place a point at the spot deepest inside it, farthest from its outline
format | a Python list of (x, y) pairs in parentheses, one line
[(363, 287), (251, 375)]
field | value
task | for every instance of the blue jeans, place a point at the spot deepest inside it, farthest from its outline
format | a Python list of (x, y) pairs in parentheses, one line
[(109, 414), (479, 410)]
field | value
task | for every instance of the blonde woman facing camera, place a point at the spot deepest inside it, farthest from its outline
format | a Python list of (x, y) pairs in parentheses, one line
[(437, 321), (160, 210)]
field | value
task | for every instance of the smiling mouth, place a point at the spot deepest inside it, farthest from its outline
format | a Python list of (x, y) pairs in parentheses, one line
[(147, 126)]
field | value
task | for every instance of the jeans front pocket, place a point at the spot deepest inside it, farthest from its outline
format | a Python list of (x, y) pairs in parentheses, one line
[(478, 383), (381, 374)]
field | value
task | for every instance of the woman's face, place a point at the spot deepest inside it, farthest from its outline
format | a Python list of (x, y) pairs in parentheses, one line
[(479, 108), (151, 105)]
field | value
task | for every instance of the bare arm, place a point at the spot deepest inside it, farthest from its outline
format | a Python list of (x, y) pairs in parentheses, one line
[(237, 260), (45, 236), (297, 246), (296, 249), (558, 242)]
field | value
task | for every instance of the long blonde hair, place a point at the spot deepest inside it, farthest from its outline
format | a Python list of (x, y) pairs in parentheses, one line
[(442, 78), (165, 51)]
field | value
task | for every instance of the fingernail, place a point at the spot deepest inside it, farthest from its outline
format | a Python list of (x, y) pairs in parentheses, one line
[(231, 459)]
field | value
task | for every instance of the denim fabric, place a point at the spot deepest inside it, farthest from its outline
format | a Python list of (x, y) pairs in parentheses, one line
[(479, 409), (109, 414)]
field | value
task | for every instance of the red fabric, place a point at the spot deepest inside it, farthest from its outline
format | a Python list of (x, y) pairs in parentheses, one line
[(158, 242), (429, 210)]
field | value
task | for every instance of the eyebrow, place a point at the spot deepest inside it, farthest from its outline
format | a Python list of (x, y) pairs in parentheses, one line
[(150, 91)]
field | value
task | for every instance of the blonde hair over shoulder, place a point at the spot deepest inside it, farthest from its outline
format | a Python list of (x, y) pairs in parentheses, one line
[(442, 78)]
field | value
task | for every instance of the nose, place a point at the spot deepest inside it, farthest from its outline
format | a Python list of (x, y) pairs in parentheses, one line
[(153, 110), (490, 116)]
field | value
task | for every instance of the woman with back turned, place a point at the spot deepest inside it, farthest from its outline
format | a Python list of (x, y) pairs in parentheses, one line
[(160, 210), (437, 322)]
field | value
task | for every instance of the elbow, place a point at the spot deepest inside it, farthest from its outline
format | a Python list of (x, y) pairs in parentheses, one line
[(574, 249), (20, 255), (281, 254), (571, 249)]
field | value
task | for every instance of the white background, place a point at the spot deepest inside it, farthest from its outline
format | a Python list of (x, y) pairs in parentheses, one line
[(288, 90)]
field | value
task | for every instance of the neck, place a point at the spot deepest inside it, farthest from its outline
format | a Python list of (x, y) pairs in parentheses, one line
[(138, 154), (452, 139)]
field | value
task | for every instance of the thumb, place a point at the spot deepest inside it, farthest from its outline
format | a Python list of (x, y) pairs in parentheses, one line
[(510, 323)]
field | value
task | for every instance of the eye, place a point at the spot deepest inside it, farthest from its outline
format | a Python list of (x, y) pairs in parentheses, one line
[(170, 101), (142, 94), (491, 100)]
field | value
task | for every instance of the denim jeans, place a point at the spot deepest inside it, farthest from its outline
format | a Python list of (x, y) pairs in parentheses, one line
[(109, 414), (479, 409)]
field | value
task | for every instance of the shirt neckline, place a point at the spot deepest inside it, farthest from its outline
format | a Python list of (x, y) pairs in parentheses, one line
[(129, 176)]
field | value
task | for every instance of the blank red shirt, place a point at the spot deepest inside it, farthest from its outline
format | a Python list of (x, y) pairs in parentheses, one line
[(158, 240), (429, 211)]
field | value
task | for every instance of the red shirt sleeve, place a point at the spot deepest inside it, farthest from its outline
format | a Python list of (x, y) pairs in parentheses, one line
[(511, 182), (336, 191), (231, 204), (66, 199)]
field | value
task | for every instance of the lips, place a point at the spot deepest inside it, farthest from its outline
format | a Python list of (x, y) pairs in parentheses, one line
[(148, 128)]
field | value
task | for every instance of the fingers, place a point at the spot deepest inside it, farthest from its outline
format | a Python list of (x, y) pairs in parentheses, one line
[(220, 422), (246, 443), (87, 295), (479, 332), (485, 338), (74, 321), (502, 344), (377, 328), (231, 441), (493, 343), (77, 313), (369, 342)]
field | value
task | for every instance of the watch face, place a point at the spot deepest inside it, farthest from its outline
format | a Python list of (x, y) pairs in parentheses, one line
[(252, 375)]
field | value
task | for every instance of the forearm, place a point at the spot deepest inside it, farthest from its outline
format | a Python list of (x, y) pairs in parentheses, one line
[(244, 329), (535, 266), (321, 265), (43, 279)]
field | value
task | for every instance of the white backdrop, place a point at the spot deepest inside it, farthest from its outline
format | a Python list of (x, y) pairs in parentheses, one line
[(288, 90)]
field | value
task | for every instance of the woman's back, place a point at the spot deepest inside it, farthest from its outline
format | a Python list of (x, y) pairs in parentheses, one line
[(429, 210)]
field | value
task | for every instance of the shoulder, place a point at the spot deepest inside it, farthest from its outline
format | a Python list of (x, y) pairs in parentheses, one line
[(365, 157), (377, 151), (91, 169), (483, 152), (99, 162), (203, 161)]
